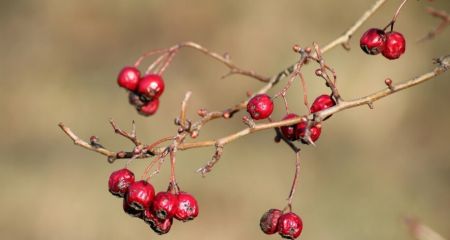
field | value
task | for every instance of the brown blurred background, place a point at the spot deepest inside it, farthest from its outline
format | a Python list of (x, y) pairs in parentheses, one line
[(59, 61)]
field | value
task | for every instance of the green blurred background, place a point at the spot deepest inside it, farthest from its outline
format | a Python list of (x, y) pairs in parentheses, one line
[(59, 61)]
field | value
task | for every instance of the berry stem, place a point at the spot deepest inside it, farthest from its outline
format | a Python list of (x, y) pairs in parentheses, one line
[(295, 180), (394, 19)]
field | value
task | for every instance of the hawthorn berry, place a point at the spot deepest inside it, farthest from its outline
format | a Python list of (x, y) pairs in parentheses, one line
[(290, 132), (187, 208), (119, 181), (157, 225), (322, 102), (373, 41), (130, 210), (394, 46), (269, 221), (260, 106), (149, 108), (128, 78), (164, 205), (290, 225), (136, 100), (315, 131), (140, 195), (151, 85)]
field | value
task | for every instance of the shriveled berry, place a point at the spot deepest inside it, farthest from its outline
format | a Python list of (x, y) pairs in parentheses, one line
[(260, 106), (140, 195), (290, 132), (149, 108), (315, 131), (157, 225), (128, 78), (164, 205), (129, 210), (151, 85), (322, 102), (372, 41), (269, 221), (290, 225), (395, 45), (119, 181), (187, 207), (135, 99)]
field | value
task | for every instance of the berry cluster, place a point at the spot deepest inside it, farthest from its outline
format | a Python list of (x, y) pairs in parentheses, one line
[(156, 210), (261, 107), (391, 44), (144, 92), (288, 225)]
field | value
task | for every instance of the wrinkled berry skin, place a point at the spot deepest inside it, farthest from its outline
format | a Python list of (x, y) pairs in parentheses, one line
[(151, 85), (135, 100), (149, 108), (290, 132), (322, 102), (260, 106), (164, 205), (394, 46), (269, 221), (128, 78), (157, 225), (140, 195), (301, 131), (130, 211), (119, 181), (290, 225), (372, 41), (187, 208)]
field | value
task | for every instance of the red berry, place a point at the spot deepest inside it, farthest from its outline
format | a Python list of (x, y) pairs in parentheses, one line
[(165, 205), (187, 207), (394, 46), (151, 85), (260, 106), (315, 132), (157, 225), (372, 41), (119, 181), (129, 210), (322, 102), (290, 132), (149, 108), (129, 78), (269, 221), (290, 225), (140, 195)]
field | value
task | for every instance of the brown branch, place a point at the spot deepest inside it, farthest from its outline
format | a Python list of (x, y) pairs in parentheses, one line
[(131, 136), (445, 21)]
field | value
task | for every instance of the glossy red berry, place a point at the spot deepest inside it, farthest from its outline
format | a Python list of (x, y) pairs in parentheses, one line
[(187, 208), (290, 132), (128, 78), (149, 108), (140, 195), (394, 46), (151, 85), (164, 205), (129, 210), (372, 41), (314, 132), (290, 225), (269, 221), (119, 181), (260, 106), (322, 102)]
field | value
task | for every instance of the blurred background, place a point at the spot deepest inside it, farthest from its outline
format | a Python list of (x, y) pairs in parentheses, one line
[(371, 168)]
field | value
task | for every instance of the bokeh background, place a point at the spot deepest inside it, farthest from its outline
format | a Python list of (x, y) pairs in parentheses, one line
[(371, 168)]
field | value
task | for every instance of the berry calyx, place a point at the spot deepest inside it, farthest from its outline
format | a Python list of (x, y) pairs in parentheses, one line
[(128, 78), (149, 108), (119, 181), (164, 205), (140, 195), (269, 221), (290, 225), (394, 46), (260, 106), (151, 85), (290, 132), (373, 41), (187, 208), (315, 131), (157, 225), (322, 102)]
